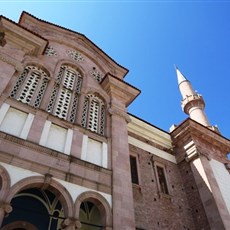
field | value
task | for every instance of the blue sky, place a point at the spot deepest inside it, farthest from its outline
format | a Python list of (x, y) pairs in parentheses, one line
[(148, 38)]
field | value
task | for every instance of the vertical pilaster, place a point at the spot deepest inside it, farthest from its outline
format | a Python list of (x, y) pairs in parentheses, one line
[(123, 210), (121, 95), (207, 194), (210, 194)]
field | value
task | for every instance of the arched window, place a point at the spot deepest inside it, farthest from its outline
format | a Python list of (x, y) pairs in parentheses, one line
[(40, 208), (30, 86), (90, 216), (64, 98), (93, 116)]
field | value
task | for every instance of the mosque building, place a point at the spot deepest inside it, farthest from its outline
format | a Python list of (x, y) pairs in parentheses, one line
[(72, 157)]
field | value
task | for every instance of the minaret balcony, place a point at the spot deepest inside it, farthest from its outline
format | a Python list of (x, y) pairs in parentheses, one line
[(195, 100)]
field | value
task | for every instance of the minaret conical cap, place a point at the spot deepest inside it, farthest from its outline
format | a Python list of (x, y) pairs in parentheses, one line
[(180, 76)]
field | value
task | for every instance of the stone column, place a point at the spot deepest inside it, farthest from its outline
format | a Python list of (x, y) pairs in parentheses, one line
[(4, 210), (123, 209), (213, 203)]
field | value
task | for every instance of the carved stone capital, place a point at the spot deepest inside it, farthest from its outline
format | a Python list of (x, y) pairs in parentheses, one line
[(70, 223), (47, 181), (115, 111), (108, 228), (6, 207)]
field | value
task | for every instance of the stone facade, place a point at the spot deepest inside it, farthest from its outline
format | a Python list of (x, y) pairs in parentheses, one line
[(71, 157)]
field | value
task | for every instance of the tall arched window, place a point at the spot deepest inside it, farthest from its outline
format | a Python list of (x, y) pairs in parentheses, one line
[(64, 98), (93, 116), (30, 86)]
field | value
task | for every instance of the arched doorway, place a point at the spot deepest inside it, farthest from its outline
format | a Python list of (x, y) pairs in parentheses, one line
[(38, 207), (90, 216)]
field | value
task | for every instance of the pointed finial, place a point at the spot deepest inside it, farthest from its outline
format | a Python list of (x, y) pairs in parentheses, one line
[(180, 76)]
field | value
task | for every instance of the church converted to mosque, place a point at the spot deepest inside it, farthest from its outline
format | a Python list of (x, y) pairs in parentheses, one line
[(72, 157)]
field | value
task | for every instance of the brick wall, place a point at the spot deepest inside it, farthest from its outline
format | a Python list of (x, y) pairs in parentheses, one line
[(154, 210)]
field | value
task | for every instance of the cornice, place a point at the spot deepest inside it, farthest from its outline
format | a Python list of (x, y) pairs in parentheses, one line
[(26, 17), (46, 151), (190, 129), (119, 90), (21, 38), (149, 132), (115, 111)]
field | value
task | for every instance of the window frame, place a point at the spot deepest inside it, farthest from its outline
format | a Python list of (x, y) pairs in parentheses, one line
[(89, 99), (43, 81), (61, 89), (163, 167), (136, 157)]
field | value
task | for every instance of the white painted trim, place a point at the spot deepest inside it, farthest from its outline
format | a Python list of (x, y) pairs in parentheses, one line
[(151, 149), (16, 174), (3, 110), (84, 147), (26, 128), (68, 141), (76, 190), (104, 162), (149, 132), (45, 133)]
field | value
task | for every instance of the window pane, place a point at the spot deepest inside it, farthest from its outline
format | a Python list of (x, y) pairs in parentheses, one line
[(134, 173), (162, 180)]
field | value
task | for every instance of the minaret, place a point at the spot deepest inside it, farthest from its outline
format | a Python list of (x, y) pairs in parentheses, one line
[(192, 102)]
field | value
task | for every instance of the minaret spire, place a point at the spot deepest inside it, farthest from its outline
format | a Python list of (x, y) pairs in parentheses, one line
[(192, 103)]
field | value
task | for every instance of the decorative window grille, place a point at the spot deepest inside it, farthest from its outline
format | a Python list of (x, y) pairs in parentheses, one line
[(93, 115), (64, 98), (50, 51), (30, 86), (96, 75), (76, 56)]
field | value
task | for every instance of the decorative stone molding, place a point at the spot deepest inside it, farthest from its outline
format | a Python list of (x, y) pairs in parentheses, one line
[(191, 101), (3, 57), (115, 111), (2, 39), (76, 56), (191, 151), (69, 223)]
